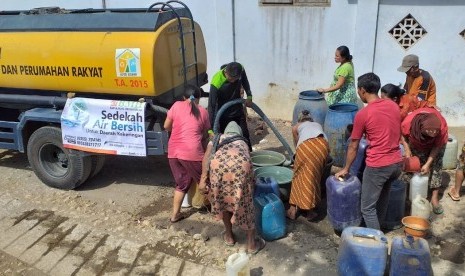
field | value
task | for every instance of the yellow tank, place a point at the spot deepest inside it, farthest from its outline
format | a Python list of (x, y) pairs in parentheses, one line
[(122, 52)]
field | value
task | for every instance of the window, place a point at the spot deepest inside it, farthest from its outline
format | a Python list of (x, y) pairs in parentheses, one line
[(317, 3)]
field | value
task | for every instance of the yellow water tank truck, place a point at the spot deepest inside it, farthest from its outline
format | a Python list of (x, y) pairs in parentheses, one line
[(48, 54)]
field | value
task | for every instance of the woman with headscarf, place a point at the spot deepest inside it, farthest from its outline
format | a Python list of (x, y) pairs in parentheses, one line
[(312, 149), (189, 124), (228, 178), (424, 134)]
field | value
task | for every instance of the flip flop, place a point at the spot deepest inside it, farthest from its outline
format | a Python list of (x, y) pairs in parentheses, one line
[(230, 244), (438, 209), (259, 244), (451, 194), (179, 218)]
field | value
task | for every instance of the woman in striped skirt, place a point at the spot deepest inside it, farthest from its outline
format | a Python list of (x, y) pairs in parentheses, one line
[(312, 150)]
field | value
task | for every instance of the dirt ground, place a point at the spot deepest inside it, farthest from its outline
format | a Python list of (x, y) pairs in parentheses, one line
[(132, 198)]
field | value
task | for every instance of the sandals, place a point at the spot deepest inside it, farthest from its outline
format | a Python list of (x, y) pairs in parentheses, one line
[(452, 193), (178, 218), (259, 245), (438, 209), (229, 244)]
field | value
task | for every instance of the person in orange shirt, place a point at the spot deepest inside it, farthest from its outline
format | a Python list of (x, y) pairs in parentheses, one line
[(418, 83), (407, 103)]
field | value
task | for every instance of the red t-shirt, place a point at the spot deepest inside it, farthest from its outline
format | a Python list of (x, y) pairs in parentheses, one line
[(380, 122), (439, 141), (408, 103), (186, 134)]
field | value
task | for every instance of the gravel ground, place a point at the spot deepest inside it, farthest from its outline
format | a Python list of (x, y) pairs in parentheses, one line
[(131, 198)]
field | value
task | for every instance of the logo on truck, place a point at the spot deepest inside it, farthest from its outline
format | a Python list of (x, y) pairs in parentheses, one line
[(128, 62)]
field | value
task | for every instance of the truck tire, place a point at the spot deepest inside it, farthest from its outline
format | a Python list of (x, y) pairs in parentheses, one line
[(54, 165), (97, 164)]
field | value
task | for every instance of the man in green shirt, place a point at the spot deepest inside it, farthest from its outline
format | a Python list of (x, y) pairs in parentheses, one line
[(226, 86)]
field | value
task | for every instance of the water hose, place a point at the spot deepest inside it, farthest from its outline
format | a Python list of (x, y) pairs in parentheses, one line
[(216, 126)]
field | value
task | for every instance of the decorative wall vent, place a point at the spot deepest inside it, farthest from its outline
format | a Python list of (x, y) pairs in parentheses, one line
[(462, 33), (407, 32)]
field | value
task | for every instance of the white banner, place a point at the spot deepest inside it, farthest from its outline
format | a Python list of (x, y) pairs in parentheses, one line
[(104, 126)]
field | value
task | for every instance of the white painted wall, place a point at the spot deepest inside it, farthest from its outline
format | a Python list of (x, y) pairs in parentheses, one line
[(441, 50), (286, 50)]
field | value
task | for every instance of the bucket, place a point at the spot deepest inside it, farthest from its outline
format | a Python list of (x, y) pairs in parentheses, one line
[(449, 160), (418, 186), (338, 117), (410, 256), (396, 205), (416, 226), (312, 101), (412, 164), (343, 202), (238, 265), (363, 251), (421, 207), (263, 158)]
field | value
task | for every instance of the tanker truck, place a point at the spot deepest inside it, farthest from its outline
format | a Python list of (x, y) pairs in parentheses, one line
[(53, 59)]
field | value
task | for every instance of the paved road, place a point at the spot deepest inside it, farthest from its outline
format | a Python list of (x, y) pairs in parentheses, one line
[(57, 245)]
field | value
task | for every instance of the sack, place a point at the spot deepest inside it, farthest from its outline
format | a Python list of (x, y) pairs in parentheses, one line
[(198, 199)]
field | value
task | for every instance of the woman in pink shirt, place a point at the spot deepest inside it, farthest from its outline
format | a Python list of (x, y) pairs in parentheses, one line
[(188, 123)]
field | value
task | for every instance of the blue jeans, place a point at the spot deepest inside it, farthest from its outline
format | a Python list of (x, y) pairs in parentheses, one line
[(375, 193)]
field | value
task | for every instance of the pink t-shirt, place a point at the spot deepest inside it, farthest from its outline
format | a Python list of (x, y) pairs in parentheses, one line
[(186, 134), (380, 121)]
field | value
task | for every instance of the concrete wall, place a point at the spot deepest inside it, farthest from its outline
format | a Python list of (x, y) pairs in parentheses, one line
[(288, 49), (441, 50)]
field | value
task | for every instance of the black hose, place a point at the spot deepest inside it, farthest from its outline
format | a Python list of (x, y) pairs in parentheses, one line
[(55, 101), (216, 125), (158, 108)]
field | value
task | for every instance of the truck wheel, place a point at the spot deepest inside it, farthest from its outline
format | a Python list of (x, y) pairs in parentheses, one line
[(56, 166), (97, 164)]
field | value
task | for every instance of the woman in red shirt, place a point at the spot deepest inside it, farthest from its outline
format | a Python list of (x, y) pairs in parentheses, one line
[(407, 103), (424, 134)]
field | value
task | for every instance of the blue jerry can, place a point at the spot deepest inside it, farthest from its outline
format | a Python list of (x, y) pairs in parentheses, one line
[(266, 185), (410, 257), (270, 216), (343, 202), (363, 251)]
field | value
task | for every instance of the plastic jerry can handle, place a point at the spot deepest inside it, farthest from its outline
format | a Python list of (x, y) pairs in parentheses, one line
[(362, 235)]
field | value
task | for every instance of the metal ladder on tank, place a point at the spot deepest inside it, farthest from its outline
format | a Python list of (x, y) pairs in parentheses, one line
[(182, 36)]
